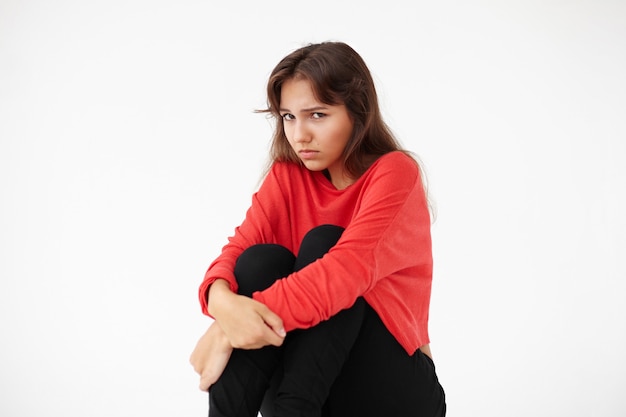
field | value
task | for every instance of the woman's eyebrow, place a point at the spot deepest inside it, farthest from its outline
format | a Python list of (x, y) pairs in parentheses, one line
[(306, 110)]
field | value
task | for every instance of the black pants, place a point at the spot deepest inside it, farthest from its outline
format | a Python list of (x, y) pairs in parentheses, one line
[(347, 365)]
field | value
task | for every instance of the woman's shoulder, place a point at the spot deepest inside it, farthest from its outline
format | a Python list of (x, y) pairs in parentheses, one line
[(396, 162), (403, 157)]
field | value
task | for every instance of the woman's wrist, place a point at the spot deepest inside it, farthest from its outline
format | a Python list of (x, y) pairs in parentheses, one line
[(219, 335), (217, 292)]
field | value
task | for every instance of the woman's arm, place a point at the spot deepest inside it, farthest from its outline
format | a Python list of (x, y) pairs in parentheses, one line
[(266, 212), (243, 323), (210, 356), (247, 324), (386, 246)]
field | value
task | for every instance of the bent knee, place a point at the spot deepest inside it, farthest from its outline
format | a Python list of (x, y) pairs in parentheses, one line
[(260, 265)]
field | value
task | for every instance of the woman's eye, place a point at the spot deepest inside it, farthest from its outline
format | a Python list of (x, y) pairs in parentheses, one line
[(317, 115), (288, 116)]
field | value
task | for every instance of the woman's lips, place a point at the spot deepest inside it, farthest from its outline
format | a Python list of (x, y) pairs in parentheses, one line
[(307, 154)]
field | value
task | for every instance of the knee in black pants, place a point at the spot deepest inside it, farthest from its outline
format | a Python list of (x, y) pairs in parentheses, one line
[(240, 389), (316, 243), (256, 269), (260, 265)]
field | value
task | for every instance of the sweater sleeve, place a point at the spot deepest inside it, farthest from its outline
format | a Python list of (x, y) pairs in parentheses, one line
[(380, 241), (267, 208)]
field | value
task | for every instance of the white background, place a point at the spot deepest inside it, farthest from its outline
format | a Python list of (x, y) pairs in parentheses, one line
[(129, 151)]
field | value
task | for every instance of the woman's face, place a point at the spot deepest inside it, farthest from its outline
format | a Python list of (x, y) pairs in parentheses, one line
[(317, 132)]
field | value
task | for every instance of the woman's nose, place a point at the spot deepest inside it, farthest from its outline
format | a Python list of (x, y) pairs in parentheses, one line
[(301, 133)]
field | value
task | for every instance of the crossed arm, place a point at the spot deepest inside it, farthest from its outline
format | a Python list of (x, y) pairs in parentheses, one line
[(240, 322)]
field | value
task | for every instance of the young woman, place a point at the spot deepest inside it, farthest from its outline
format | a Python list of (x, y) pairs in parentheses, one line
[(320, 299)]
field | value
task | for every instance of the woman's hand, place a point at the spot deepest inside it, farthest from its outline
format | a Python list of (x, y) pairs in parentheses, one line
[(211, 355), (247, 323)]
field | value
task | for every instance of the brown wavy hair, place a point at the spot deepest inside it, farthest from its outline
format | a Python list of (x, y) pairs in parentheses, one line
[(338, 75)]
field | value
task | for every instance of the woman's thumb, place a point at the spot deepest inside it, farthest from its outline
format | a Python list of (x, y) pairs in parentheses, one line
[(274, 322)]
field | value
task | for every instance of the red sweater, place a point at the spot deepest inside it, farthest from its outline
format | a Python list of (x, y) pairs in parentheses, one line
[(384, 254)]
